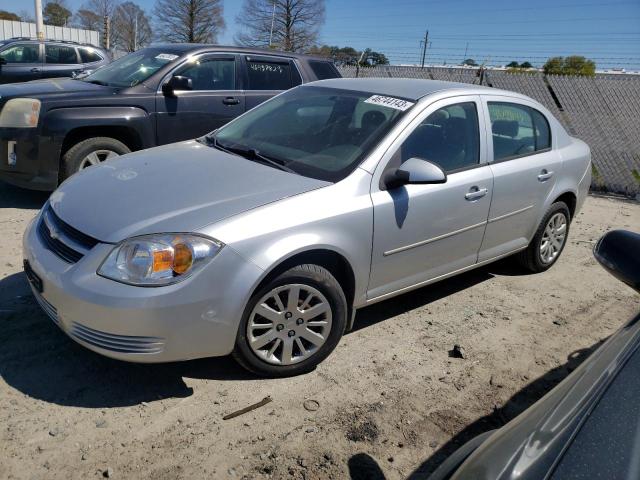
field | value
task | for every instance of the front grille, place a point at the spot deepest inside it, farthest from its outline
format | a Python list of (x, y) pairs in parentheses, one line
[(116, 343), (62, 239), (49, 309)]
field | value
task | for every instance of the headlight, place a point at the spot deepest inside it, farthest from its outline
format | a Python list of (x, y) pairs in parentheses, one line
[(156, 260), (20, 113)]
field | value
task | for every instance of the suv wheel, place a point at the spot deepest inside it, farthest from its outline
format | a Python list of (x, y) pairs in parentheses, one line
[(292, 323), (90, 152), (549, 240)]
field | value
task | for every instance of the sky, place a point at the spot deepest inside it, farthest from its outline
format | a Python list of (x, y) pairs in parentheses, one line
[(494, 32)]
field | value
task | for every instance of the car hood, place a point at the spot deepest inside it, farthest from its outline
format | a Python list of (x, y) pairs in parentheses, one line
[(50, 87), (176, 188)]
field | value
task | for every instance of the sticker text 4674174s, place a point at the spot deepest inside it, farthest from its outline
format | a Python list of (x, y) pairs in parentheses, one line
[(391, 102)]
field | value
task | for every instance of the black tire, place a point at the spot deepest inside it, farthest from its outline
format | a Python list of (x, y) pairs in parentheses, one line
[(73, 158), (530, 258), (313, 276)]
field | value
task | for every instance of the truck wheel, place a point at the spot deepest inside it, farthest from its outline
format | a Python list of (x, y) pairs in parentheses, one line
[(90, 152), (292, 323), (549, 240)]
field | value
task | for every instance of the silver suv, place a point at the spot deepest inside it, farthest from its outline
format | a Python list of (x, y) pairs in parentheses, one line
[(263, 238)]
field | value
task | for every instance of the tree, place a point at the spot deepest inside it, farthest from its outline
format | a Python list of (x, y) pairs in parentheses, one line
[(513, 65), (189, 21), (350, 56), (4, 15), (375, 58), (56, 13), (131, 29), (88, 20), (470, 62), (526, 65), (290, 25), (573, 65)]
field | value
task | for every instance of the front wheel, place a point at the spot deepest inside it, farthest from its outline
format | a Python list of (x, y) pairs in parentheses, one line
[(90, 152), (549, 240), (292, 323)]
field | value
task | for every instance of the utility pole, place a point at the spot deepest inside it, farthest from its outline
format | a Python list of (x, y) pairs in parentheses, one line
[(424, 47), (135, 34), (39, 22), (106, 39), (465, 51)]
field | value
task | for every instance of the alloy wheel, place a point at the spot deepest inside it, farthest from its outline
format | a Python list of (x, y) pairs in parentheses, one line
[(289, 324), (553, 238), (96, 157)]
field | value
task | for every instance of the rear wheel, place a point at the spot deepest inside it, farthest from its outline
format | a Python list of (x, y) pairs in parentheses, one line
[(549, 240), (292, 323), (90, 152)]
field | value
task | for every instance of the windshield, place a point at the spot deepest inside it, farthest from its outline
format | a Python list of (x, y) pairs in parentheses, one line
[(317, 132), (132, 69)]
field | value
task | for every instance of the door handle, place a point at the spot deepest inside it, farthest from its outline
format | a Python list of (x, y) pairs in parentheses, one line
[(231, 101), (476, 193), (35, 70), (544, 176)]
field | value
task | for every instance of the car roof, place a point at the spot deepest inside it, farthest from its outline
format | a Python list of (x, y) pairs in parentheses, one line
[(7, 41), (196, 47), (408, 88)]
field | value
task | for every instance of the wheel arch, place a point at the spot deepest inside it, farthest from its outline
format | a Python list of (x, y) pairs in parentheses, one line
[(332, 260), (570, 199), (127, 135)]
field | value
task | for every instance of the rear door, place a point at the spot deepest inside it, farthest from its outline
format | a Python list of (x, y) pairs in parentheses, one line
[(266, 76), (23, 62), (525, 168), (60, 60), (215, 99)]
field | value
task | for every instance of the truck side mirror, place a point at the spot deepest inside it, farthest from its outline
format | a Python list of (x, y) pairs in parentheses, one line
[(618, 252)]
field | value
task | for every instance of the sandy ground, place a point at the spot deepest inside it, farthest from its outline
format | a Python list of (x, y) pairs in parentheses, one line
[(389, 402)]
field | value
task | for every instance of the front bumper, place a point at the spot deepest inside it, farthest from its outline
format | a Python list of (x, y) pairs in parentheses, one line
[(37, 162), (195, 318)]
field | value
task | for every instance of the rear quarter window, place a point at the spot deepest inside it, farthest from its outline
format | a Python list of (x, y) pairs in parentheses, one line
[(324, 70), (88, 55)]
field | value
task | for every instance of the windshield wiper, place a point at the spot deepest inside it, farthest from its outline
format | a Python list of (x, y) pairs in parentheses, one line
[(251, 154), (95, 82)]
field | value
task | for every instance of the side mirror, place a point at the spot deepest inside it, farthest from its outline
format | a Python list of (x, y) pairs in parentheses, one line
[(414, 171), (618, 252), (177, 82)]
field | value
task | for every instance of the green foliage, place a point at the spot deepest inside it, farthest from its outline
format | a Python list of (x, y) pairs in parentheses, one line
[(513, 65), (470, 62), (56, 14), (573, 65), (4, 15), (636, 175)]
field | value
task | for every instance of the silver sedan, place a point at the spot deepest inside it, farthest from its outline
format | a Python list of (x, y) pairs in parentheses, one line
[(262, 239)]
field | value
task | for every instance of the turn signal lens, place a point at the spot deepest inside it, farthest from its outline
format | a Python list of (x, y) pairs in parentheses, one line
[(162, 260)]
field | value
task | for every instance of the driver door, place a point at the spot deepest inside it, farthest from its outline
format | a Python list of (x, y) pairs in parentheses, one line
[(214, 100), (423, 232)]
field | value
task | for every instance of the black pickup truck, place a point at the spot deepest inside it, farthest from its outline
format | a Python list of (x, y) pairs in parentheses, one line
[(50, 129)]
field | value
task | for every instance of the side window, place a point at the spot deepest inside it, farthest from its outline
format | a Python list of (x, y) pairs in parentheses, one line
[(449, 137), (266, 75), (89, 55), (211, 74), (517, 130), (60, 54), (22, 53), (324, 70)]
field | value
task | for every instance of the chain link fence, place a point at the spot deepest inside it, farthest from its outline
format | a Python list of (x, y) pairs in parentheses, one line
[(604, 111)]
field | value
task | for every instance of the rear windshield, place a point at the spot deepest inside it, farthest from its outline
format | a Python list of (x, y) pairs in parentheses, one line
[(324, 70), (317, 132)]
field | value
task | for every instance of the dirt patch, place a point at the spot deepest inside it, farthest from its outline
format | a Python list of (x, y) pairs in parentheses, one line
[(390, 399)]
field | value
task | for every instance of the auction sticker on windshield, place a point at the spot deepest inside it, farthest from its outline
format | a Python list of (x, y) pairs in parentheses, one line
[(391, 102), (166, 56)]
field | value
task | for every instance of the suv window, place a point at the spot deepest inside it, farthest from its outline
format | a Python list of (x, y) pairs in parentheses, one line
[(89, 55), (211, 74), (517, 130), (324, 70), (22, 53), (60, 54), (271, 75), (449, 137)]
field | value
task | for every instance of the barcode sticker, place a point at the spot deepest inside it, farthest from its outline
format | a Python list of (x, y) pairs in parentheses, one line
[(391, 102)]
